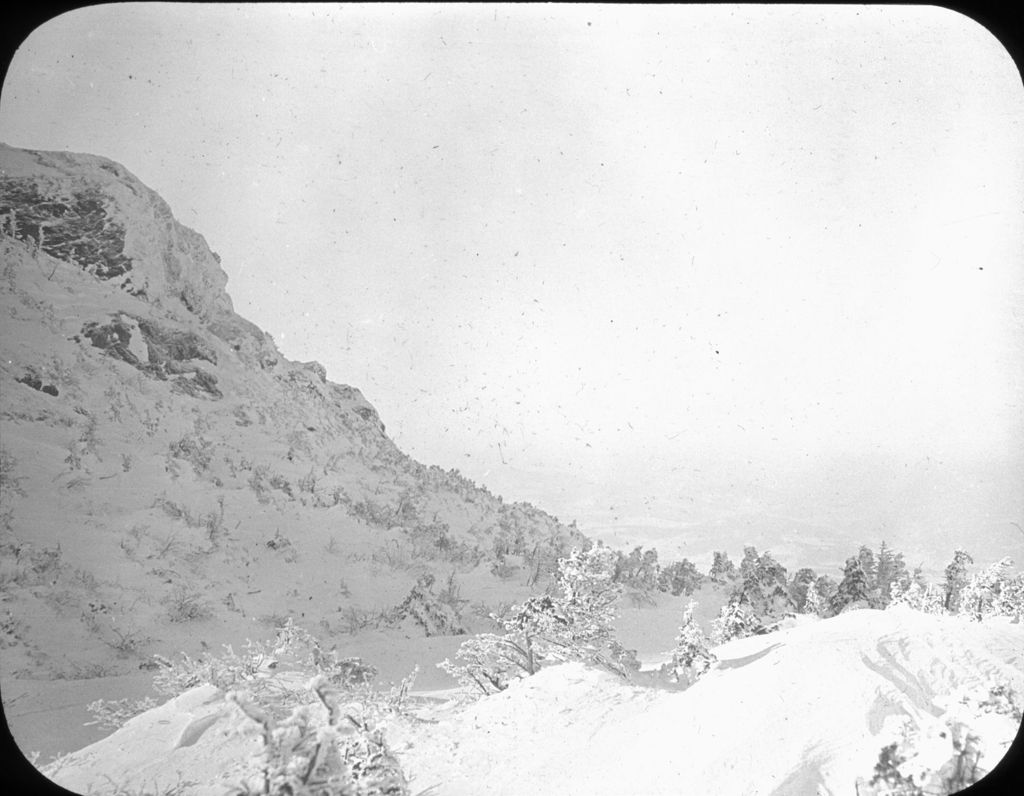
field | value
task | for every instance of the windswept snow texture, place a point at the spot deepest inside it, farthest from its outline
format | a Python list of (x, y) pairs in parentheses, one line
[(803, 710)]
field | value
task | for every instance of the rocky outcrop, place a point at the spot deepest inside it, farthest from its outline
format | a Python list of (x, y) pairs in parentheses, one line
[(94, 214), (158, 351), (74, 226)]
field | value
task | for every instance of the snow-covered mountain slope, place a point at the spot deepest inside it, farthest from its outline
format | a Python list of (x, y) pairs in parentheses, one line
[(169, 481), (800, 711)]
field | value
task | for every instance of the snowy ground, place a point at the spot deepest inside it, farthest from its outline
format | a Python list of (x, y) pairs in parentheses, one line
[(144, 513), (803, 710)]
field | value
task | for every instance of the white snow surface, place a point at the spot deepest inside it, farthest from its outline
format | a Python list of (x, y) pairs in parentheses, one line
[(803, 710)]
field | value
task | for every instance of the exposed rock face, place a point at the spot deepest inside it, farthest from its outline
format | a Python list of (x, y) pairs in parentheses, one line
[(158, 351), (93, 213), (72, 226)]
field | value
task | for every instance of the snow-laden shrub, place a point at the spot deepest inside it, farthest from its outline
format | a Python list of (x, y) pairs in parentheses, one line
[(331, 749), (946, 754), (321, 740), (928, 599), (993, 592), (733, 621), (692, 656), (587, 596), (489, 662), (1010, 600), (111, 714), (251, 670), (437, 614), (186, 605), (572, 624), (293, 649)]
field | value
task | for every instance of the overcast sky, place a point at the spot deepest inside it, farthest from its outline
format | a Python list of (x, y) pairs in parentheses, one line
[(583, 252)]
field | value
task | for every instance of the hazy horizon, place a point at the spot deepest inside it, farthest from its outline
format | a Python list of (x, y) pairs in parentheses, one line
[(704, 275)]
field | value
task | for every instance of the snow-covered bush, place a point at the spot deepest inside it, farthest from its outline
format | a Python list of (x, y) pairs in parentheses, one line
[(925, 598), (251, 670), (490, 662), (1004, 700), (946, 754), (111, 714), (293, 649), (321, 740), (733, 621), (692, 656), (586, 596), (948, 762), (185, 605), (993, 592), (1010, 600), (436, 614), (330, 749), (574, 623)]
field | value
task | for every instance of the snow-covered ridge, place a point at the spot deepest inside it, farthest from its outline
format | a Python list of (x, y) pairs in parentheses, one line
[(802, 711)]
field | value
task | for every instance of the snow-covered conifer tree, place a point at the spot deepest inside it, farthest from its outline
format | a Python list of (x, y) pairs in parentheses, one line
[(826, 586), (749, 562), (692, 656), (763, 587), (956, 579), (869, 565), (813, 603), (884, 575), (890, 569), (802, 582), (722, 568), (679, 577), (853, 588)]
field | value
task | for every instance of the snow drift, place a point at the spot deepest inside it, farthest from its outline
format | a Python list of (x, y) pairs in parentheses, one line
[(802, 710)]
